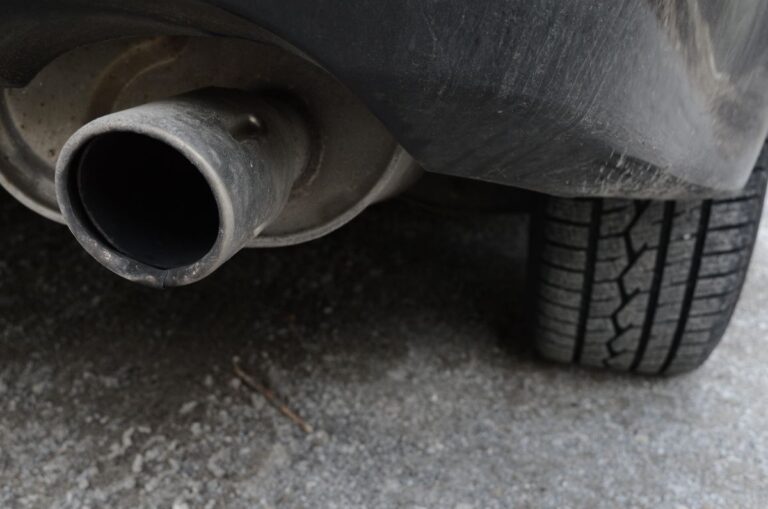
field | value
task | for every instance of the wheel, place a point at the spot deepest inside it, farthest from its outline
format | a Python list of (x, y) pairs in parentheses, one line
[(640, 286)]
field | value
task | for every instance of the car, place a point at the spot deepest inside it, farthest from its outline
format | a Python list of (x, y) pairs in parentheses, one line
[(169, 135)]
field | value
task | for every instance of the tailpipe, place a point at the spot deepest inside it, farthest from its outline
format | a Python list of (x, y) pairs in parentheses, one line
[(163, 194)]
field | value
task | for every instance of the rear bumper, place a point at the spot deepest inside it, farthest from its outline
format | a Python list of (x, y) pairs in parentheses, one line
[(658, 99)]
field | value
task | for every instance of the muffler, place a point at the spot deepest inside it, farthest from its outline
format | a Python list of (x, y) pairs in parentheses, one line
[(163, 194)]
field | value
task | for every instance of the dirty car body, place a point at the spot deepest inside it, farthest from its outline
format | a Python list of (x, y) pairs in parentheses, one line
[(636, 98)]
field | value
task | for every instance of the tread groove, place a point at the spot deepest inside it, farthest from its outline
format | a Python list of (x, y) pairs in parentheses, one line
[(543, 326), (563, 245), (557, 266), (737, 226), (740, 199), (566, 222), (658, 277), (546, 299), (741, 250), (589, 276), (558, 286), (721, 274), (690, 291)]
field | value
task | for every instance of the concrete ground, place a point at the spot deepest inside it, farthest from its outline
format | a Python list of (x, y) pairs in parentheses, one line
[(397, 339)]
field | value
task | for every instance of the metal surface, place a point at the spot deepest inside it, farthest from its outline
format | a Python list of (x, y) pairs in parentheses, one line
[(142, 214), (357, 161), (639, 98)]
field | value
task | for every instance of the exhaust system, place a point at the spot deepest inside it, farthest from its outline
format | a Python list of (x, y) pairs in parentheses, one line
[(163, 194)]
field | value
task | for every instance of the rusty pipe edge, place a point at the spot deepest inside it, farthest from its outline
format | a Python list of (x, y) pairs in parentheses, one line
[(163, 194)]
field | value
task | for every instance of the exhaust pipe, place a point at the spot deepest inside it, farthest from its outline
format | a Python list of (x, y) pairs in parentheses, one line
[(165, 193)]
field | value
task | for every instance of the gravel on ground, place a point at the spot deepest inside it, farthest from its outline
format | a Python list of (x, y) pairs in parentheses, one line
[(398, 339)]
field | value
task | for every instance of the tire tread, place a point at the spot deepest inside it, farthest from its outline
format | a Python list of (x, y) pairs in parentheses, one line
[(642, 286)]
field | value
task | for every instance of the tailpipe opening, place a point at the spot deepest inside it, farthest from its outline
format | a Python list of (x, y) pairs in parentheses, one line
[(165, 193), (150, 203)]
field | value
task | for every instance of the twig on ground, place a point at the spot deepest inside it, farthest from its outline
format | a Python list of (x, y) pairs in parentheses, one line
[(270, 396)]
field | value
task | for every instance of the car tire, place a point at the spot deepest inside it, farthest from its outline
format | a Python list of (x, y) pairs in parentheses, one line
[(640, 286)]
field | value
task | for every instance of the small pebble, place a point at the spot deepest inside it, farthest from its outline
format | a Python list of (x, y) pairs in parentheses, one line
[(188, 407), (138, 464)]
